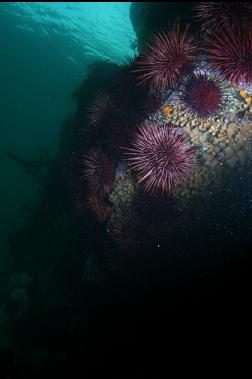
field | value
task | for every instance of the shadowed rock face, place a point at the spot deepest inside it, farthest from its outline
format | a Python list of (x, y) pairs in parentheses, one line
[(147, 18)]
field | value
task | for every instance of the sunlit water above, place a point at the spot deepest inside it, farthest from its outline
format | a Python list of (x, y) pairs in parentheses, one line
[(103, 30)]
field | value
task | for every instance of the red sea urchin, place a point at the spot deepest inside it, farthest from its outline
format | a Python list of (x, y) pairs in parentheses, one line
[(100, 111), (169, 57), (101, 208), (161, 157), (202, 95), (124, 230), (229, 53), (215, 14), (99, 172)]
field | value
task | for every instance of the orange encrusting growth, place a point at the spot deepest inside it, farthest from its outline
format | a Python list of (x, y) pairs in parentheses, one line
[(167, 110)]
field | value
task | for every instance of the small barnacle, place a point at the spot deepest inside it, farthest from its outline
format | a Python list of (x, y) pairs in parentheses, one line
[(248, 99)]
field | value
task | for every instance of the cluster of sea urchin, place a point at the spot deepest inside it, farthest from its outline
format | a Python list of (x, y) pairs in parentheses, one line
[(228, 49), (213, 14), (159, 154)]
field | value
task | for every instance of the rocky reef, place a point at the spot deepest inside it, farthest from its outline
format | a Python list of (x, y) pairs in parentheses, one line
[(146, 209)]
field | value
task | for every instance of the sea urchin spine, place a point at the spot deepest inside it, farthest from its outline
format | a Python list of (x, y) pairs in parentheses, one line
[(202, 95), (98, 170), (101, 208), (167, 59), (229, 53), (214, 14), (161, 157)]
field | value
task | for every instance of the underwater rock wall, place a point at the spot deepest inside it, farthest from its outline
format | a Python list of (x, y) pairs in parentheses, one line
[(104, 248), (148, 18)]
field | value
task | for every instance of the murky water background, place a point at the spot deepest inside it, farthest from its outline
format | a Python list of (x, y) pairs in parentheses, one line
[(45, 49)]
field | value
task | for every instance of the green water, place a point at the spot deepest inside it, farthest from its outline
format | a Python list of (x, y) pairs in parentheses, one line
[(37, 74), (35, 97)]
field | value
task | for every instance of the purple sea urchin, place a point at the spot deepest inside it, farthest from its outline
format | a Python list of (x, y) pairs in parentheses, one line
[(229, 53), (161, 157), (202, 95), (100, 207), (100, 111), (169, 57), (215, 14), (99, 172), (123, 230)]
